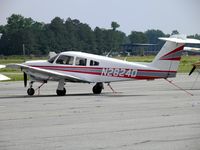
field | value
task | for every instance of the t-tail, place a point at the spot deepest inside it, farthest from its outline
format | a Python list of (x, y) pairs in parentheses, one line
[(168, 59)]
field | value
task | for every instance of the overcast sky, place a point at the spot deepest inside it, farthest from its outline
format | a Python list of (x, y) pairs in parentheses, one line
[(139, 15)]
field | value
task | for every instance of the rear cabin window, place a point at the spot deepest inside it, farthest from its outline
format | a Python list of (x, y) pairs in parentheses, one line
[(94, 63), (81, 61), (66, 60)]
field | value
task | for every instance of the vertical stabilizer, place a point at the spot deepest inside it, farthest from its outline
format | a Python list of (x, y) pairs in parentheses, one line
[(169, 57)]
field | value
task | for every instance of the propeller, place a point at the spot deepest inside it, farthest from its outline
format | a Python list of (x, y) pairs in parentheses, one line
[(192, 70), (25, 79)]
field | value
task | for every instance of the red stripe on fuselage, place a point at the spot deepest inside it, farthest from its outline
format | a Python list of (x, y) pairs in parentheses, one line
[(61, 68), (175, 59), (156, 71), (54, 67)]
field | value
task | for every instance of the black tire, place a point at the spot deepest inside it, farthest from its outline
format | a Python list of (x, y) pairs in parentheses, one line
[(30, 91), (61, 92), (97, 88)]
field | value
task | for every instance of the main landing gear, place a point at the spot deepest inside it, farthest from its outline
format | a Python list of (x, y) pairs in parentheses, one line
[(61, 91), (98, 88)]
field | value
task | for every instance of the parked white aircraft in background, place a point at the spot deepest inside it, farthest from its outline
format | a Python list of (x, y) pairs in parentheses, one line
[(2, 77), (191, 49), (88, 68)]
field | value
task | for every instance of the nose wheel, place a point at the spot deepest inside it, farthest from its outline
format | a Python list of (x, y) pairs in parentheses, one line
[(30, 91), (97, 88)]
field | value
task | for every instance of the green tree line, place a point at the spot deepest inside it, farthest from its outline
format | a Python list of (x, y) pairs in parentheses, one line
[(65, 35)]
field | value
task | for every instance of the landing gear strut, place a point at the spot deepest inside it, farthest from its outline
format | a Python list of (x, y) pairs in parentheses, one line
[(97, 88), (31, 91)]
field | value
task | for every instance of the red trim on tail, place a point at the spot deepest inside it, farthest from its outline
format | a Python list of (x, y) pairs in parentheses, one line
[(172, 52), (173, 59)]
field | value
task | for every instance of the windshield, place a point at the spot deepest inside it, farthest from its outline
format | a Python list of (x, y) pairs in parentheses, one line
[(66, 60), (51, 60)]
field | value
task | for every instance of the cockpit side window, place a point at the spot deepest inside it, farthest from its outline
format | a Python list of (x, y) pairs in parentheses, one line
[(51, 60), (81, 61), (66, 60), (94, 63)]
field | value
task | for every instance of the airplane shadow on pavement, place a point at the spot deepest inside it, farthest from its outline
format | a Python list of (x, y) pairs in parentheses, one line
[(107, 94)]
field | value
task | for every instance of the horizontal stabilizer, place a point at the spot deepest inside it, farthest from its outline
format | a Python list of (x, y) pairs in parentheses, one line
[(180, 39)]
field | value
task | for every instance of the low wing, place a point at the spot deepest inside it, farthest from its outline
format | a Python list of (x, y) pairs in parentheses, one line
[(50, 73)]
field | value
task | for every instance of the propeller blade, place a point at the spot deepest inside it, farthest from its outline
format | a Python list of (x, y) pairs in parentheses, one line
[(25, 79), (194, 67)]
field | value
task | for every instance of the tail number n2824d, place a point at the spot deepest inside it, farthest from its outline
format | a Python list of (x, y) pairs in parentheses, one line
[(119, 72)]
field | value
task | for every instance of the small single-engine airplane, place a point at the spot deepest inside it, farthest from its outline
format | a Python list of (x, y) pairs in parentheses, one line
[(82, 67)]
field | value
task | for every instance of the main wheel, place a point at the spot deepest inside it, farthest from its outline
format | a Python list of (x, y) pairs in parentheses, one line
[(61, 92), (30, 91), (97, 88)]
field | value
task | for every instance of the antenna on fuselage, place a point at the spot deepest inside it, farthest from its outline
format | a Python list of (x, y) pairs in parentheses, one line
[(107, 55)]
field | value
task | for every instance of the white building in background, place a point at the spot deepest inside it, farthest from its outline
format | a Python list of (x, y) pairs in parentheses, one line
[(0, 35)]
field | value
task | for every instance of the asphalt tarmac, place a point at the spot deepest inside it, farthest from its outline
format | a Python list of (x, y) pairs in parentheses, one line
[(141, 115)]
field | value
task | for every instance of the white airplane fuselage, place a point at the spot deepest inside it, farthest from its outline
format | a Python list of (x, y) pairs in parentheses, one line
[(107, 70)]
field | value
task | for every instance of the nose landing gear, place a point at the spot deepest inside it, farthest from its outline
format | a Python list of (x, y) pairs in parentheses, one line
[(30, 90)]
